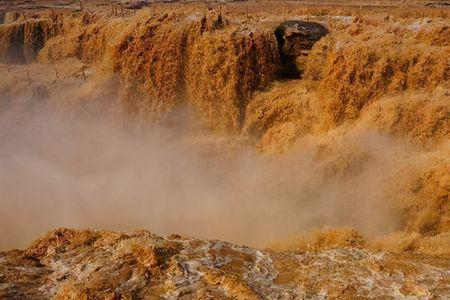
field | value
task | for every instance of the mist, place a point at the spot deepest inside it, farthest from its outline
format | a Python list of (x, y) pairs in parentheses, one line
[(66, 169)]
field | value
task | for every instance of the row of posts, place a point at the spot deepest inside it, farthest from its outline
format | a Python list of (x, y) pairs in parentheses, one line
[(115, 12), (113, 8), (82, 73)]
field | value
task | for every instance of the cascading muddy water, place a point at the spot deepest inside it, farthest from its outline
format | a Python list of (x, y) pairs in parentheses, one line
[(113, 134)]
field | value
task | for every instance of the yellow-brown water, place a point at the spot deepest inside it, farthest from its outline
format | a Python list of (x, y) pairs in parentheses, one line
[(178, 121)]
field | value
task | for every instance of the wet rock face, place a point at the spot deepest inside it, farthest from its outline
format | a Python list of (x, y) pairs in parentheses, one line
[(300, 36), (88, 264), (295, 40)]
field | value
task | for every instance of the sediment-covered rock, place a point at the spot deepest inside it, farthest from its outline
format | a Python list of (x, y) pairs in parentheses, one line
[(295, 41), (300, 36), (88, 264)]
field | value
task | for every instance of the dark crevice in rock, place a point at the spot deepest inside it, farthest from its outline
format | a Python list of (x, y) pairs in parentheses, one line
[(295, 40)]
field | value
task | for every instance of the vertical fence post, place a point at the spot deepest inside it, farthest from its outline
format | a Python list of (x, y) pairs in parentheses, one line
[(23, 15), (28, 76), (247, 10), (83, 73)]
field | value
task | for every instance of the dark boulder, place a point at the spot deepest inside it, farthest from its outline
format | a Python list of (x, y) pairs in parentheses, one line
[(295, 40), (299, 36)]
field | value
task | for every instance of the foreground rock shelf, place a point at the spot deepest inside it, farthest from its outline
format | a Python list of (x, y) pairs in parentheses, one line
[(87, 264)]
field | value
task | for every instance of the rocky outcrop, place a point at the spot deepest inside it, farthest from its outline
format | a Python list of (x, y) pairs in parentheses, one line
[(88, 264), (295, 41), (298, 37)]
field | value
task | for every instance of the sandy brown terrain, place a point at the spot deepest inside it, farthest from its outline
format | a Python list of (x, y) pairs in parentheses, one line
[(320, 150), (69, 264)]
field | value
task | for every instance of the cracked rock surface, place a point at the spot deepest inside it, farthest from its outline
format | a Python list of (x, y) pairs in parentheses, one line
[(88, 264)]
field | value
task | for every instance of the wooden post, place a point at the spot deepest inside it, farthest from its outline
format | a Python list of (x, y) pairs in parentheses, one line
[(83, 73), (248, 13), (23, 15), (284, 10), (81, 5), (28, 76), (121, 9), (7, 67), (56, 73)]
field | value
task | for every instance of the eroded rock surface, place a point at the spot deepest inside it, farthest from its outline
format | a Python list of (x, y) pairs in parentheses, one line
[(295, 40), (87, 264), (300, 36)]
